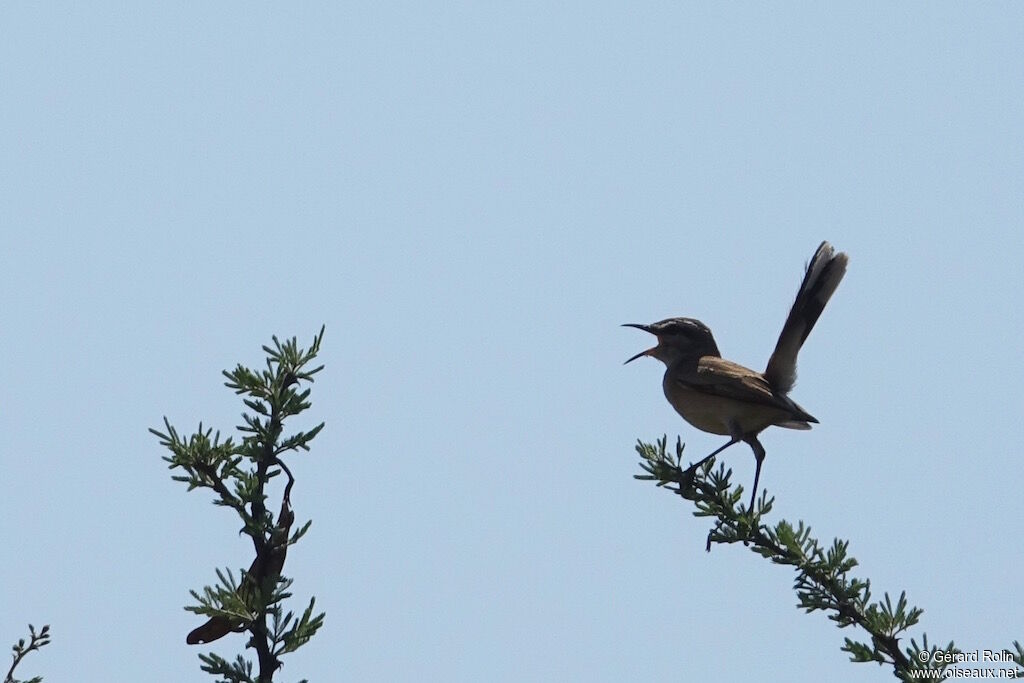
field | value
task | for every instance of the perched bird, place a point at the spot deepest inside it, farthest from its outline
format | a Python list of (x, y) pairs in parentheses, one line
[(721, 397)]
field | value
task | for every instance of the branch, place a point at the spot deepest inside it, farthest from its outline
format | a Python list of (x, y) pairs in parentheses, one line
[(823, 580), (239, 474), (36, 642)]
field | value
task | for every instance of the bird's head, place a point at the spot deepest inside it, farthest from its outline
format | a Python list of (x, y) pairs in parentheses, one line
[(678, 338)]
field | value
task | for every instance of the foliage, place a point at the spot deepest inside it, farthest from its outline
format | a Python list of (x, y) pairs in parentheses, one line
[(238, 474), (823, 581)]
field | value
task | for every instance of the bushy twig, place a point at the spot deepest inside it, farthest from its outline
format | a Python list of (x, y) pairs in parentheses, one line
[(823, 581), (36, 641), (238, 473)]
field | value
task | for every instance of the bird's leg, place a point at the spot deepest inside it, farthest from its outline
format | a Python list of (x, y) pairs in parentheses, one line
[(758, 449), (693, 468)]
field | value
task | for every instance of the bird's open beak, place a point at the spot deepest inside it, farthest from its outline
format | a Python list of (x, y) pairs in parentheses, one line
[(645, 328), (642, 353)]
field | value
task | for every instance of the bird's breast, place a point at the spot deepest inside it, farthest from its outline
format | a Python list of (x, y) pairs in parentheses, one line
[(703, 411)]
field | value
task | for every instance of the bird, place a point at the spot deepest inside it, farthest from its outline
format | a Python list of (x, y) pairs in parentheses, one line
[(719, 396)]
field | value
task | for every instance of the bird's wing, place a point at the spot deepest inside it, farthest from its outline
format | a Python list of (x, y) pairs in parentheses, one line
[(724, 378)]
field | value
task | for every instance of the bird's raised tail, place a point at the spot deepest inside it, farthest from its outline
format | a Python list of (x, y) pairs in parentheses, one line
[(824, 273)]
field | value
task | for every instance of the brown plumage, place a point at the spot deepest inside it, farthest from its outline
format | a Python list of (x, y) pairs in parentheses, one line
[(721, 397)]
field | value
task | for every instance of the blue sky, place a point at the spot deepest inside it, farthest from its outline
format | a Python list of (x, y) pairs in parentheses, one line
[(472, 197)]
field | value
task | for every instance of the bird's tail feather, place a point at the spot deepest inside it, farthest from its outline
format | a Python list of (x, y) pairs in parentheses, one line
[(824, 273)]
